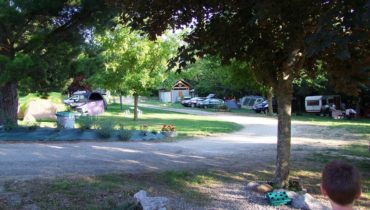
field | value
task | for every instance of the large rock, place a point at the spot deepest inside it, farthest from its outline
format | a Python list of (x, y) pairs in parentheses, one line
[(307, 202), (304, 201), (151, 203), (40, 109), (260, 187), (252, 185)]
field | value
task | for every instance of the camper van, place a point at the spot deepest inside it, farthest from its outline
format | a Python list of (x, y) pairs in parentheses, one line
[(320, 104)]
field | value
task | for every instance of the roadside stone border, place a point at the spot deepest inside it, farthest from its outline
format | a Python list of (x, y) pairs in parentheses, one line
[(51, 134)]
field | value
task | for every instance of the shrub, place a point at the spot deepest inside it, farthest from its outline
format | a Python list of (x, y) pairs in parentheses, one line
[(124, 134), (154, 132), (9, 125), (32, 126), (104, 129), (86, 122)]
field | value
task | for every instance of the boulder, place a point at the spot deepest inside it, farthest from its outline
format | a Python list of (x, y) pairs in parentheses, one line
[(151, 203), (40, 109), (304, 201), (260, 187), (263, 188), (252, 185), (307, 202)]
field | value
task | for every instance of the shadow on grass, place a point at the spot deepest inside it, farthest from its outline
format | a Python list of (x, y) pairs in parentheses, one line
[(358, 126)]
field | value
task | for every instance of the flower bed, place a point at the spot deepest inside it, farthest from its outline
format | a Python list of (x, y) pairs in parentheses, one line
[(169, 131)]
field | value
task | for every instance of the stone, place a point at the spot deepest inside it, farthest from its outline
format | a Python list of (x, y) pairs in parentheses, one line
[(307, 202), (30, 207), (252, 185), (151, 203), (263, 188), (39, 109)]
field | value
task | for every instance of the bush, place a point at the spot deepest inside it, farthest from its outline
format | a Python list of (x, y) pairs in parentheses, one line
[(9, 125), (124, 134), (32, 126), (104, 129), (86, 122), (154, 132)]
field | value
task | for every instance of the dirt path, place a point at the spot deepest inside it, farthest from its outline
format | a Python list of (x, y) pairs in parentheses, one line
[(254, 144)]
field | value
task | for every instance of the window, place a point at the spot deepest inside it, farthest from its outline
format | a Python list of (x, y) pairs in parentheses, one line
[(313, 103)]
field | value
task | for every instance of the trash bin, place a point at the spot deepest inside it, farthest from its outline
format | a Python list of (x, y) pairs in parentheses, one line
[(65, 120)]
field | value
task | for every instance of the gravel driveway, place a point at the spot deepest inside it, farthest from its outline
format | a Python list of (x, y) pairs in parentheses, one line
[(255, 143)]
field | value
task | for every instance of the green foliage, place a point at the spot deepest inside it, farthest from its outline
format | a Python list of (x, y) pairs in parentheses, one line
[(154, 131), (210, 75), (133, 64), (32, 126), (87, 122), (104, 129), (40, 41), (124, 134), (9, 125)]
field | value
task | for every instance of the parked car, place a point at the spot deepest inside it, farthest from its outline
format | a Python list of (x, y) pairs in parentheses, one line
[(211, 95), (264, 107), (186, 101), (195, 101), (77, 98), (95, 105), (248, 102), (211, 103)]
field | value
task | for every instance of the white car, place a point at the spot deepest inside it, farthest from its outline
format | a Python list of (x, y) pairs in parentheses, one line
[(77, 98)]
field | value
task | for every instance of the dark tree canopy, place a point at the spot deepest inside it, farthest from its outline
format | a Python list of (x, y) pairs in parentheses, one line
[(40, 41), (279, 38)]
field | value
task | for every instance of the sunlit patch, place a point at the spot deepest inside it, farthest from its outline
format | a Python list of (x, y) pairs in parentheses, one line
[(116, 149)]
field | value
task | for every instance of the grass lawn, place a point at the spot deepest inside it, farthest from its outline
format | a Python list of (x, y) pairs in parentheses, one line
[(359, 126), (115, 191), (186, 124)]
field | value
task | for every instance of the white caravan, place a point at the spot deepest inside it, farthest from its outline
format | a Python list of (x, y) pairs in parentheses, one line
[(317, 104)]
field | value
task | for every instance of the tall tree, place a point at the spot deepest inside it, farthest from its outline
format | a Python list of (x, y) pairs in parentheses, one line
[(279, 38), (133, 64), (38, 40), (210, 75)]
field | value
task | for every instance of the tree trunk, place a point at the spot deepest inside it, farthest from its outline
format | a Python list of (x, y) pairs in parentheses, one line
[(358, 106), (136, 103), (284, 100), (120, 102), (8, 103), (269, 98)]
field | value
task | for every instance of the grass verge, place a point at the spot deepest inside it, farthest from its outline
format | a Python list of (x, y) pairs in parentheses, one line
[(113, 191), (186, 124)]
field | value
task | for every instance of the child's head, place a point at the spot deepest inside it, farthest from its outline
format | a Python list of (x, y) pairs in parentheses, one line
[(341, 182)]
